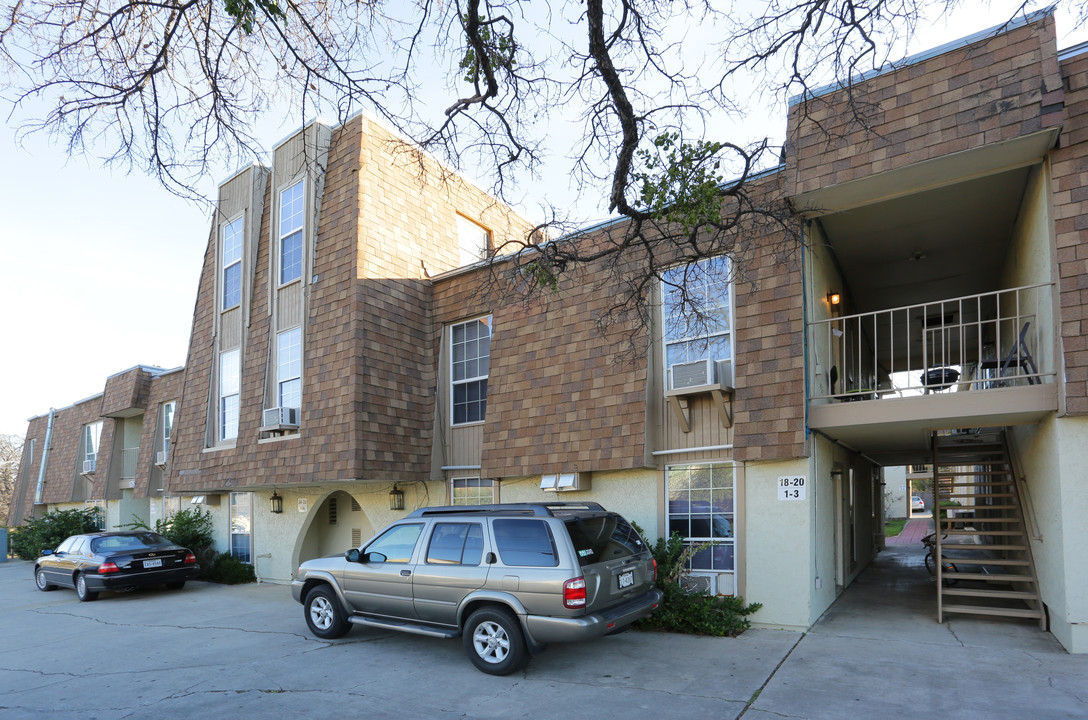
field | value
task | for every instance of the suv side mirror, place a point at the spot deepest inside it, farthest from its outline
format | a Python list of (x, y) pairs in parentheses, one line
[(352, 555)]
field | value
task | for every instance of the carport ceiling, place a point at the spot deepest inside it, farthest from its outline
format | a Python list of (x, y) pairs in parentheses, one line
[(939, 243)]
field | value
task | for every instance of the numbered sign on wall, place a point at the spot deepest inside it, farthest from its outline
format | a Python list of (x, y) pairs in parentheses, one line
[(792, 488)]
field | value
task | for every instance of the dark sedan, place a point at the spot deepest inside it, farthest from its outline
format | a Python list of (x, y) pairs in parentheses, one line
[(114, 561)]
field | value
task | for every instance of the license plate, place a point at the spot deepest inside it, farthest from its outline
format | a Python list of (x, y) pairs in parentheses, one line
[(152, 563), (627, 579)]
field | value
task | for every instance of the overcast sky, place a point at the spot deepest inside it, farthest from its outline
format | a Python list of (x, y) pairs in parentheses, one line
[(98, 271)]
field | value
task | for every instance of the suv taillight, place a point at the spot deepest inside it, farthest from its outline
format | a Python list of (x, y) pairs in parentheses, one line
[(655, 569), (574, 593)]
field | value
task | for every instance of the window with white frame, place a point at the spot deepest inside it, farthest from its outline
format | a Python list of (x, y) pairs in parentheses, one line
[(162, 509), (697, 312), (241, 526), (701, 510), (100, 512), (229, 382), (232, 263), (292, 203), (92, 435), (166, 425), (474, 241), (470, 358), (289, 368), (472, 491)]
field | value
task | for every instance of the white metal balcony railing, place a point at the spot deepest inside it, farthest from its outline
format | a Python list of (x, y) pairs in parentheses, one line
[(975, 342), (128, 463)]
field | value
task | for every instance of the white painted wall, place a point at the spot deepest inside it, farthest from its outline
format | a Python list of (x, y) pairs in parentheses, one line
[(1053, 456), (776, 538), (896, 493)]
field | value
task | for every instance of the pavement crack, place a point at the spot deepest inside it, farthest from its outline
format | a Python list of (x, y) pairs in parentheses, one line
[(756, 694), (954, 635)]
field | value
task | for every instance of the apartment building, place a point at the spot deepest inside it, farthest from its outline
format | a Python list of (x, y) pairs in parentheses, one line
[(348, 363)]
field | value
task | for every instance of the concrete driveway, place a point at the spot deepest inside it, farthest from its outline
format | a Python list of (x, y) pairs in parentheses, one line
[(212, 651)]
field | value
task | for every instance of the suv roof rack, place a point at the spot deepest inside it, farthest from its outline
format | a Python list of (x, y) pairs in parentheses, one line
[(542, 509)]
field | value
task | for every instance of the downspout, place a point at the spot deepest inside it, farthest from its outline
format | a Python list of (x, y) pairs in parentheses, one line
[(45, 457)]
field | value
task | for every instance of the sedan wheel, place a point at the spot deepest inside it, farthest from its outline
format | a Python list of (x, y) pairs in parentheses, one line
[(493, 641), (324, 614), (82, 592), (43, 584)]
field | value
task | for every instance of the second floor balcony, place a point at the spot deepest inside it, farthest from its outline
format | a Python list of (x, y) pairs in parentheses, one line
[(882, 381)]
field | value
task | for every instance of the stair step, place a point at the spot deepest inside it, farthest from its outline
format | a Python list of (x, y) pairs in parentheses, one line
[(977, 519), (987, 561), (982, 610), (983, 532), (988, 577), (978, 495), (1003, 594), (996, 548), (973, 473)]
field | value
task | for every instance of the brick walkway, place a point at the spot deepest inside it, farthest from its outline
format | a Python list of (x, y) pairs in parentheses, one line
[(913, 532)]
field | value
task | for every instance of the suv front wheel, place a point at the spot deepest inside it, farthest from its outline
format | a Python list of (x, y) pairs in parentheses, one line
[(493, 641), (324, 614)]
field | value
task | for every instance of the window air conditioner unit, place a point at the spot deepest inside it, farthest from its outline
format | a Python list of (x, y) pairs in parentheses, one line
[(282, 416), (692, 374), (160, 457), (699, 584), (88, 465)]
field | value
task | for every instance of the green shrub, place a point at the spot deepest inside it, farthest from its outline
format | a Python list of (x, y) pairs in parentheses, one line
[(51, 529), (190, 528), (229, 570), (691, 611)]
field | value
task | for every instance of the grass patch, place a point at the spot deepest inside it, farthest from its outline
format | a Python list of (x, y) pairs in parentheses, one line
[(894, 527)]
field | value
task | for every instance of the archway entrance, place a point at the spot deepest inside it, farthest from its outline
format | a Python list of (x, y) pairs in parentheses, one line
[(337, 524)]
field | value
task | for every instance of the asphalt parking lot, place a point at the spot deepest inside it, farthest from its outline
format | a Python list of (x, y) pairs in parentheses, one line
[(214, 651)]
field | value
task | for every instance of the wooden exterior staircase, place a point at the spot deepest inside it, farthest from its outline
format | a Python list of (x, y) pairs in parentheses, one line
[(987, 568)]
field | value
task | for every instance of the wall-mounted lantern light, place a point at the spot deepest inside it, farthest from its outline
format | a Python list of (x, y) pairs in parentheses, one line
[(834, 298), (276, 503), (396, 498)]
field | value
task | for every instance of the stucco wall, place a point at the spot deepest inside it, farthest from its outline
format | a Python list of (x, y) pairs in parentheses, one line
[(1052, 455), (777, 540), (896, 493)]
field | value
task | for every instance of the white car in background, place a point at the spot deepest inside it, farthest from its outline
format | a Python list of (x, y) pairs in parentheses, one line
[(917, 504)]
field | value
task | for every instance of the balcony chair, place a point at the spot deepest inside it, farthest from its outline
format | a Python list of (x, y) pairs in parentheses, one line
[(1020, 356)]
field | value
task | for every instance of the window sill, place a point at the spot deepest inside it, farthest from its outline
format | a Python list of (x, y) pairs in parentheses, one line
[(467, 424), (278, 438), (225, 445)]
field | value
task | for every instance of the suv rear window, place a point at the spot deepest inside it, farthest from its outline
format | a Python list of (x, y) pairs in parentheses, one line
[(601, 538), (525, 543)]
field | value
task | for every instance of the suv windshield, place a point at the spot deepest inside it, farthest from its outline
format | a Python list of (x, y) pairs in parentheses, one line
[(601, 538)]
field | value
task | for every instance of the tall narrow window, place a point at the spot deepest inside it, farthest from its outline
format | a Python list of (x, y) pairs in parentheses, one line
[(292, 201), (241, 526), (167, 425), (470, 346), (701, 510), (289, 368), (229, 381), (697, 312), (92, 434), (232, 263), (473, 240)]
